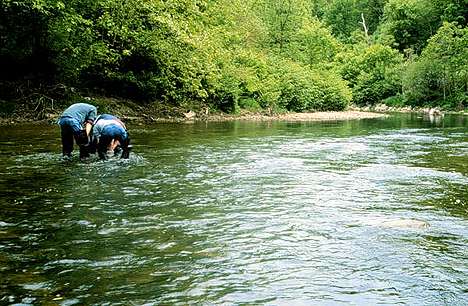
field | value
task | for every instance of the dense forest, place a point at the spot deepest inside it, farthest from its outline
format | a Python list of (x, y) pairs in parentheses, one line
[(275, 55)]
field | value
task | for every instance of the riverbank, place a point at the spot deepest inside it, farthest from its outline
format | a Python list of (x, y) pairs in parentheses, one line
[(311, 116), (131, 111), (299, 117), (383, 108), (191, 117)]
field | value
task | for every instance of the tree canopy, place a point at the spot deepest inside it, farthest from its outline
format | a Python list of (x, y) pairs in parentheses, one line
[(298, 55)]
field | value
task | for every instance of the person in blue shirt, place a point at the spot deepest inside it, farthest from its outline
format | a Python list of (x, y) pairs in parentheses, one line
[(110, 136), (76, 122)]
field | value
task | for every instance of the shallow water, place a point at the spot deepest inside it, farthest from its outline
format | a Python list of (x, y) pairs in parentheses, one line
[(275, 213)]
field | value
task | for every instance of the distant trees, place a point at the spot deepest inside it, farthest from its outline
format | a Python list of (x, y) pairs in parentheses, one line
[(440, 74), (345, 16), (433, 69), (407, 24), (231, 54), (372, 71)]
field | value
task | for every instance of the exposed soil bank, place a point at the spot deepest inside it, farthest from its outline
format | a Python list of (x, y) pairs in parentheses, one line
[(131, 111), (191, 116)]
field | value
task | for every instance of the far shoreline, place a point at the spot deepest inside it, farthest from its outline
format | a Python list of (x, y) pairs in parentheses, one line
[(131, 112), (191, 117), (299, 117)]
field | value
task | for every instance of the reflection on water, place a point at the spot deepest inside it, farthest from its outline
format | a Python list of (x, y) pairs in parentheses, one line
[(279, 213)]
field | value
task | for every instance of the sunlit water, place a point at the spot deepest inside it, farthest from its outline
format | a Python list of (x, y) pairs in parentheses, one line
[(275, 213)]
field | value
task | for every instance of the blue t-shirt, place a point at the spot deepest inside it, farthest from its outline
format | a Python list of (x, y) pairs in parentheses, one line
[(110, 126), (83, 112)]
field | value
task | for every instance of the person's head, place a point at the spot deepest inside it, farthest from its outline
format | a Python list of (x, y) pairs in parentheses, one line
[(126, 147), (81, 138), (104, 144)]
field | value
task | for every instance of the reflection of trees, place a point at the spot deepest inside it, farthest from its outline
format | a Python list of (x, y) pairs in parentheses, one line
[(30, 207), (448, 156), (454, 199)]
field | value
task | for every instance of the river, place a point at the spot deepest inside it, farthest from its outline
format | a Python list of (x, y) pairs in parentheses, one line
[(360, 212)]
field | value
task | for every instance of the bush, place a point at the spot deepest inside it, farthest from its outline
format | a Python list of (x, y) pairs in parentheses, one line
[(440, 74), (373, 72), (303, 89), (395, 101)]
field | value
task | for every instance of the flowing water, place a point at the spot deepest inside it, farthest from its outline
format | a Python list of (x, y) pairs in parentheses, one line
[(365, 212)]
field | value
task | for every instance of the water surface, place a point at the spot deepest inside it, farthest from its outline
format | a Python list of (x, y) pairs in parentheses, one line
[(239, 213)]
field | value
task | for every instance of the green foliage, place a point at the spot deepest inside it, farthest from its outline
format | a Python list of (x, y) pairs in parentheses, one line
[(395, 101), (250, 104), (373, 72), (440, 74), (22, 34), (345, 16), (408, 23), (244, 76), (133, 47), (453, 10), (101, 104), (232, 54), (304, 89), (283, 18), (313, 44)]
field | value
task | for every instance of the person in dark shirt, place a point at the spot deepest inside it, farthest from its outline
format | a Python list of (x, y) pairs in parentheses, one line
[(76, 122)]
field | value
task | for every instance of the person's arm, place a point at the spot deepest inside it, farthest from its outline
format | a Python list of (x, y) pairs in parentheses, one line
[(89, 120), (88, 127), (114, 143), (102, 148)]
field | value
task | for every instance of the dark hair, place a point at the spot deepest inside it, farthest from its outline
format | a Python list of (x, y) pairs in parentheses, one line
[(126, 148), (104, 142), (81, 138)]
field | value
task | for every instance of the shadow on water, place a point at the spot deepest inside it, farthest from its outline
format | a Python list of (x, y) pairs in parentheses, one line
[(240, 212)]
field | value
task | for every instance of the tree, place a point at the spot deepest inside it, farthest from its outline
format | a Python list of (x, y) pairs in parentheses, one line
[(283, 18), (441, 72), (312, 43), (408, 24), (372, 71), (344, 16), (23, 39)]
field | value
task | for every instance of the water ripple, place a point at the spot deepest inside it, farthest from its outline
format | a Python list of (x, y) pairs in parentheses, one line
[(271, 214)]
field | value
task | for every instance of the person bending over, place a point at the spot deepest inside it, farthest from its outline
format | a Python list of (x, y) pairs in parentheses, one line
[(110, 136), (76, 122)]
